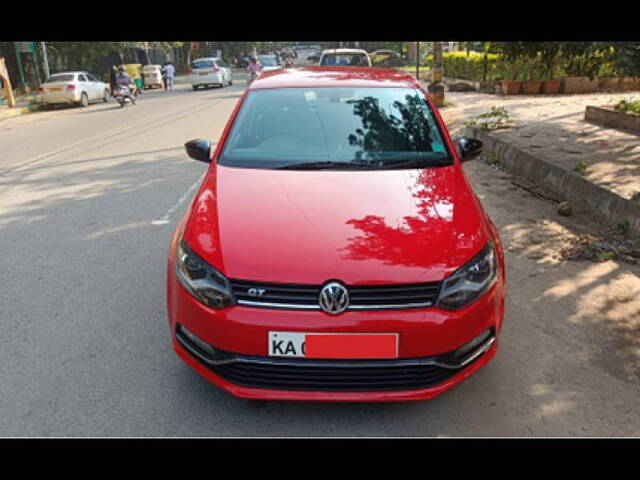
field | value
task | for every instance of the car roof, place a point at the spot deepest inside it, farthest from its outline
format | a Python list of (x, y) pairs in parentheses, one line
[(68, 73), (344, 50), (205, 58), (334, 77)]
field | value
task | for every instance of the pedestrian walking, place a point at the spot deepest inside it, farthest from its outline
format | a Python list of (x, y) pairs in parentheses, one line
[(171, 75), (112, 78), (164, 74)]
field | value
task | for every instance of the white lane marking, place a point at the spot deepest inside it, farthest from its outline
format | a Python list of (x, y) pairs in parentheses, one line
[(164, 220)]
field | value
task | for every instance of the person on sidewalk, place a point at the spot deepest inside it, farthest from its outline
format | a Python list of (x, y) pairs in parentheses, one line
[(171, 75)]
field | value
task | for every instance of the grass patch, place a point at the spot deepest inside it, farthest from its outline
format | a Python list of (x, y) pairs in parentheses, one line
[(606, 255), (495, 119), (580, 168)]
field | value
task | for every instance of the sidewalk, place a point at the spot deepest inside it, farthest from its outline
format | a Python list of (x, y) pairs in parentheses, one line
[(24, 104), (550, 144), (554, 127)]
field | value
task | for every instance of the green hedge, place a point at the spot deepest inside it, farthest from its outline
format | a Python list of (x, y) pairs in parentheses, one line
[(469, 66)]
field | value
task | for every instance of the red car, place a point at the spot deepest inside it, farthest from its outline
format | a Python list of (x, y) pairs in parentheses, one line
[(335, 249)]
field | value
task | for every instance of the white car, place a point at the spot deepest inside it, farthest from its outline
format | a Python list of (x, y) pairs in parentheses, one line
[(269, 62), (79, 88), (344, 57), (210, 71), (152, 75)]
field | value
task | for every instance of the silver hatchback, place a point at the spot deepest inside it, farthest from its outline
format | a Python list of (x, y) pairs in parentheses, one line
[(210, 71)]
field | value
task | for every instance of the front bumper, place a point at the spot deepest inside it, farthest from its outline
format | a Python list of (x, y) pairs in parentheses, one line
[(423, 334), (396, 395)]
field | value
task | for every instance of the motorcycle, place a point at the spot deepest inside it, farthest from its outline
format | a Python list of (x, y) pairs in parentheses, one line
[(123, 95)]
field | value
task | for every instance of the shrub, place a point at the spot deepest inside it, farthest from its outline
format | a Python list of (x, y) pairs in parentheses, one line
[(629, 106)]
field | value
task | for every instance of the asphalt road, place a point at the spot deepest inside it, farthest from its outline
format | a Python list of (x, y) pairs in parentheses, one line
[(88, 201)]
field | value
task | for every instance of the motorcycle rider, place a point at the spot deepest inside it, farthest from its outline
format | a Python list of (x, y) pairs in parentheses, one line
[(124, 81), (253, 69)]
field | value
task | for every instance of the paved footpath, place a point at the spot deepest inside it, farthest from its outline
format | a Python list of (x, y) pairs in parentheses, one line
[(553, 126), (85, 349)]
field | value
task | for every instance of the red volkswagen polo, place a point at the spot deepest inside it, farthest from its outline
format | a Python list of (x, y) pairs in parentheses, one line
[(335, 250)]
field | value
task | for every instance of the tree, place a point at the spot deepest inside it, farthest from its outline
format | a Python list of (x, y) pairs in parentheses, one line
[(626, 59)]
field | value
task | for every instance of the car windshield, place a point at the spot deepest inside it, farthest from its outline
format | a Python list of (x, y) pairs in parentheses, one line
[(331, 127), (350, 59), (66, 77), (202, 64), (268, 61)]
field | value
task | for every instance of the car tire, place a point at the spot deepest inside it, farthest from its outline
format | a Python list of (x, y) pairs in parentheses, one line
[(105, 96), (84, 99), (195, 87)]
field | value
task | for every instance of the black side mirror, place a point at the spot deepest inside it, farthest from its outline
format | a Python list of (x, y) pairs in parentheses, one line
[(199, 149), (470, 148)]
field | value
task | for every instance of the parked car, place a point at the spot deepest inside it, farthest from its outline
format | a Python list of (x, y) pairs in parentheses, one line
[(206, 72), (269, 62), (345, 57), (335, 249), (380, 56), (79, 88), (152, 76)]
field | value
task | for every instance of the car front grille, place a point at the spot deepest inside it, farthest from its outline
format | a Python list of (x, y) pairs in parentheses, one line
[(284, 374), (362, 297)]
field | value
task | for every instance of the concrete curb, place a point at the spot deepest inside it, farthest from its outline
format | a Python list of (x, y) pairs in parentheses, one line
[(603, 205), (14, 112), (609, 117)]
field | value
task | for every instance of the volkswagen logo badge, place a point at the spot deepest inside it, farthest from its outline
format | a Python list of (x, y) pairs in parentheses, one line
[(334, 298)]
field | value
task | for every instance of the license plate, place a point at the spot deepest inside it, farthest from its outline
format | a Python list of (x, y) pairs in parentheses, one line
[(204, 73), (55, 89), (333, 345)]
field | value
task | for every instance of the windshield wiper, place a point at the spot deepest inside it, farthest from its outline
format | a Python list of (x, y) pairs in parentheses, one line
[(418, 163), (324, 166)]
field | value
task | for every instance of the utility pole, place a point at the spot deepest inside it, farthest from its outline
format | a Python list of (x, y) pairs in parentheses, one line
[(46, 61), (436, 87), (19, 62)]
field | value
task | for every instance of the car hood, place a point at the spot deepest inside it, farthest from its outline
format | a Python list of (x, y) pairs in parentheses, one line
[(359, 227)]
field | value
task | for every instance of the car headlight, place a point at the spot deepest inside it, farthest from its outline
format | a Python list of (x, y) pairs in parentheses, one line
[(470, 281), (201, 280)]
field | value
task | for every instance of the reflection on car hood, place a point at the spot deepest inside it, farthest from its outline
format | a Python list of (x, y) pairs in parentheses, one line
[(387, 226)]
